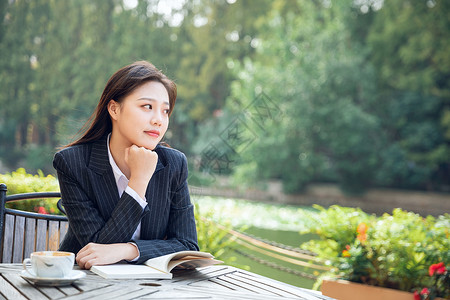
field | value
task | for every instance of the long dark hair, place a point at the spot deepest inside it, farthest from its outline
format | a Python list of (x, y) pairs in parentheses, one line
[(122, 83)]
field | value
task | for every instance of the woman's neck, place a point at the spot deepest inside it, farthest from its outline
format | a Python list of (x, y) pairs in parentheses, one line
[(118, 149)]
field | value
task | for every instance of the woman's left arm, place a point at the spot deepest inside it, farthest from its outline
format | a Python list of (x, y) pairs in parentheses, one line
[(181, 232)]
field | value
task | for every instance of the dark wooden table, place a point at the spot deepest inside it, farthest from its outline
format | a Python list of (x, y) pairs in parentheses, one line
[(215, 282)]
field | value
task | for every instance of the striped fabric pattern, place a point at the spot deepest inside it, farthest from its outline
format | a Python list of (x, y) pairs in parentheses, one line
[(97, 214)]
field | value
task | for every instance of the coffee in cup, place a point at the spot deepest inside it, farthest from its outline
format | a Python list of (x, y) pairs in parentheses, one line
[(50, 264)]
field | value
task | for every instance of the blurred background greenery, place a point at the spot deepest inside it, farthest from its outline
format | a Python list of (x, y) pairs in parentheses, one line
[(353, 92)]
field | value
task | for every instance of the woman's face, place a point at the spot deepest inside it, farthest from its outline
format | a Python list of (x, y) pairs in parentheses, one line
[(142, 117)]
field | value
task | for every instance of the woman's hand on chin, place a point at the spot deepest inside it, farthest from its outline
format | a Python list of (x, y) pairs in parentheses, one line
[(142, 164)]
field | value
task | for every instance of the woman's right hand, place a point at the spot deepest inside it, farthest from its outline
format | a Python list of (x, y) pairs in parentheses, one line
[(104, 254), (142, 164)]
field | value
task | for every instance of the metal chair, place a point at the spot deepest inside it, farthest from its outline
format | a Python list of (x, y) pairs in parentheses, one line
[(24, 232)]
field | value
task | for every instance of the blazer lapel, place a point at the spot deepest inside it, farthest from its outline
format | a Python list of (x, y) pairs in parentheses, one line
[(154, 190), (99, 161), (159, 164), (102, 177)]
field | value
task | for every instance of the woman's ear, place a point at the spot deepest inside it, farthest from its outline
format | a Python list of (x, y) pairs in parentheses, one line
[(113, 109)]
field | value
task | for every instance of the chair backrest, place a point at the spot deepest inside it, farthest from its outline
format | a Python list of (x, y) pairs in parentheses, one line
[(24, 232)]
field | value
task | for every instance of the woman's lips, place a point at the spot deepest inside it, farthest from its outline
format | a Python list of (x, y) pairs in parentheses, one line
[(153, 133)]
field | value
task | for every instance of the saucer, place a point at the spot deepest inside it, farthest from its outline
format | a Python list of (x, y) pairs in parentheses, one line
[(30, 276)]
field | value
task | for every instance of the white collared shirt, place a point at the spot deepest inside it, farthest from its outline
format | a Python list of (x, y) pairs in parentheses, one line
[(122, 186)]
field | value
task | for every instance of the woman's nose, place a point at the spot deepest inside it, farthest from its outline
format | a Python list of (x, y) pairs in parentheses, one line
[(156, 119)]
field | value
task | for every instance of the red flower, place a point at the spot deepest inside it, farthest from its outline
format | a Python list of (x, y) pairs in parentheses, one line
[(424, 291), (438, 268), (416, 296), (42, 210)]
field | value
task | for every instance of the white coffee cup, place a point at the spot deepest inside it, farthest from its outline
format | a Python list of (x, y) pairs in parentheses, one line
[(50, 264)]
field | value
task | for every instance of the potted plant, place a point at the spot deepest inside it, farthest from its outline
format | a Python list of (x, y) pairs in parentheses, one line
[(391, 251)]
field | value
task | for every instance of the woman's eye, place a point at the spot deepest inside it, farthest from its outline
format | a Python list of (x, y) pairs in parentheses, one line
[(148, 106), (166, 111)]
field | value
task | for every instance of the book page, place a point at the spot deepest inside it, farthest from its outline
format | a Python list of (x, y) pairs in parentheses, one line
[(190, 262), (158, 267), (162, 262), (129, 271)]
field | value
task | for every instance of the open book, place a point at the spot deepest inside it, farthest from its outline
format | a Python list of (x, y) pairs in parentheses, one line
[(158, 267)]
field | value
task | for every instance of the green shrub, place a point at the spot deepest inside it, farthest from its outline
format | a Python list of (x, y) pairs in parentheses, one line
[(392, 251), (20, 181), (214, 238)]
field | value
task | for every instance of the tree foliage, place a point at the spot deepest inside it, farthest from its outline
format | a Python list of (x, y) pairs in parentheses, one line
[(322, 93), (363, 107), (353, 92)]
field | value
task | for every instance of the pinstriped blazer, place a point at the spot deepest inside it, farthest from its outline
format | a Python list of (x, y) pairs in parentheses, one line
[(97, 214)]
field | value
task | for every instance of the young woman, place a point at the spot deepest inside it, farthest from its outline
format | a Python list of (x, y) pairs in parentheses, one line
[(125, 195)]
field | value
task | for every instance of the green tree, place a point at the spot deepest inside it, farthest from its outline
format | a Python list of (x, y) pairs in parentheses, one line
[(321, 81), (16, 76), (409, 43), (211, 33)]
